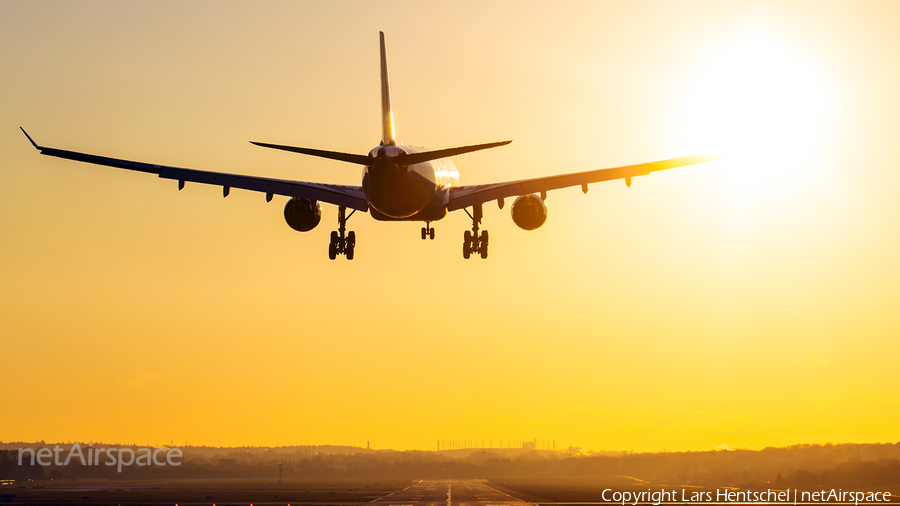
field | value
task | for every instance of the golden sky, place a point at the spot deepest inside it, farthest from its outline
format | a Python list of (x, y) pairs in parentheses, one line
[(748, 302)]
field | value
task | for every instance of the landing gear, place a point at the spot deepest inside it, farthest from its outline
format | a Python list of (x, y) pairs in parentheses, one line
[(427, 231), (342, 242), (473, 242)]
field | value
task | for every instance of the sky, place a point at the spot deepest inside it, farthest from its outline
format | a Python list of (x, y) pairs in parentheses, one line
[(747, 302)]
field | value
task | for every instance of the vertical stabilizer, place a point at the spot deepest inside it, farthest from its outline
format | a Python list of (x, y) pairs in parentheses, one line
[(387, 116)]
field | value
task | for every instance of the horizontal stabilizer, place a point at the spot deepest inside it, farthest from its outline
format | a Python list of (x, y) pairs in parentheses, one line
[(425, 156), (333, 155)]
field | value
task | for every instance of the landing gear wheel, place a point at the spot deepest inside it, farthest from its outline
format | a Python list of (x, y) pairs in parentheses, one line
[(351, 245), (473, 242), (427, 231), (342, 242)]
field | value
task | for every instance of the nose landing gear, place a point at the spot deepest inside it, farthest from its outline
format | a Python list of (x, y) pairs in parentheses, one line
[(427, 231), (473, 242), (342, 242)]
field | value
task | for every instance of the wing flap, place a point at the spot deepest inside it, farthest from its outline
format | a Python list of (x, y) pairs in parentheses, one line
[(341, 195)]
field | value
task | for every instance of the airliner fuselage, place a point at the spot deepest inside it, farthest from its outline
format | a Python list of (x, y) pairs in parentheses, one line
[(400, 191)]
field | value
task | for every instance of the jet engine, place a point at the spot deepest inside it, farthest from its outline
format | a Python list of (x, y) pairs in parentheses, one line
[(302, 215), (529, 212)]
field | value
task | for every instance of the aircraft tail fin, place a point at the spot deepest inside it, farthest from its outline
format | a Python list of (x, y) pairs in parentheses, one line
[(387, 115)]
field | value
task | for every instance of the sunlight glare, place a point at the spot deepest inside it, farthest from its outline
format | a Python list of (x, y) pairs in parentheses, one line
[(767, 107)]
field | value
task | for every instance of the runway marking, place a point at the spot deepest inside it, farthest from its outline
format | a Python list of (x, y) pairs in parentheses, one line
[(392, 493), (504, 493)]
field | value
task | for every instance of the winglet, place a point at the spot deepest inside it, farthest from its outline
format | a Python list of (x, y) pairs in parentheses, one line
[(30, 139)]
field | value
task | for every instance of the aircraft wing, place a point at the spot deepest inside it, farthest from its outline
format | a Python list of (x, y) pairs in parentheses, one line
[(341, 195), (465, 196)]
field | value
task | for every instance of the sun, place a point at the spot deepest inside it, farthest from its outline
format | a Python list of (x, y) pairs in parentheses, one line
[(763, 103)]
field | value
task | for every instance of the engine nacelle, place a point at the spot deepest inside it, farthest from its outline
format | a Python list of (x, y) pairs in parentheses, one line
[(529, 212), (301, 214)]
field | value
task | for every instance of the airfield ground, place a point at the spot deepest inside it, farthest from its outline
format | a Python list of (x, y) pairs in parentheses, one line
[(525, 491)]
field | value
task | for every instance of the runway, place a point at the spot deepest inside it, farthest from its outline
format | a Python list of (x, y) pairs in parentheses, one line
[(449, 493), (230, 493)]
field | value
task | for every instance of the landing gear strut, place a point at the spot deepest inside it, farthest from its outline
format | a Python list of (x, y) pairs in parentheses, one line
[(427, 231), (342, 242), (473, 242)]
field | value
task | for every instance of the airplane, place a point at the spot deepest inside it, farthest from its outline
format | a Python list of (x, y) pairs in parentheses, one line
[(399, 183)]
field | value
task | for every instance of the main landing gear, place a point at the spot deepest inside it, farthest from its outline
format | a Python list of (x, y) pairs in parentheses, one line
[(342, 243), (473, 242), (427, 231)]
